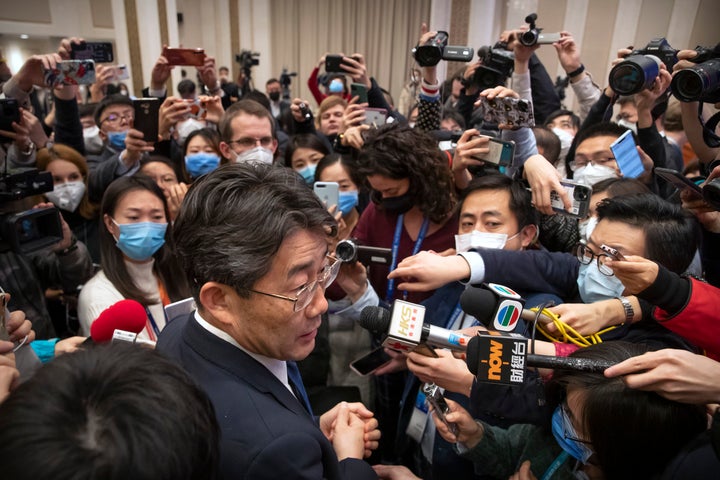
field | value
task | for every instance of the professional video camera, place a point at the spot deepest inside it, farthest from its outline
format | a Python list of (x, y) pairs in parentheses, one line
[(701, 82), (534, 35), (285, 81), (31, 230), (431, 52), (639, 70), (247, 60), (497, 63)]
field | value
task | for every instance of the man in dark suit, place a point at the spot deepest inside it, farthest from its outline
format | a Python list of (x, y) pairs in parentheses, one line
[(254, 240)]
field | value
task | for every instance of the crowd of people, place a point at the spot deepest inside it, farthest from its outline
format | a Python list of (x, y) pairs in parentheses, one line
[(254, 378)]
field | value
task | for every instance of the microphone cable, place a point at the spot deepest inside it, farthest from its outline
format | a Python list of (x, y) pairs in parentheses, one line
[(566, 333)]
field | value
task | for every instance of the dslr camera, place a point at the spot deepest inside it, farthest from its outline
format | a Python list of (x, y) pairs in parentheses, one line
[(701, 82), (431, 52), (31, 230), (640, 69), (497, 64), (534, 35)]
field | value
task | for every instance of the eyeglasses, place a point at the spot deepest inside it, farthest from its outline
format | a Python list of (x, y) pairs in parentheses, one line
[(117, 118), (570, 433), (248, 142), (306, 293), (581, 160), (585, 256)]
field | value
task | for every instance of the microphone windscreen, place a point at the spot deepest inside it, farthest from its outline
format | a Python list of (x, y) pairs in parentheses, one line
[(126, 315), (480, 303), (375, 319), (471, 355)]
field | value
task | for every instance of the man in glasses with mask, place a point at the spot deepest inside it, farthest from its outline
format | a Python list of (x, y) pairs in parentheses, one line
[(254, 244), (247, 132)]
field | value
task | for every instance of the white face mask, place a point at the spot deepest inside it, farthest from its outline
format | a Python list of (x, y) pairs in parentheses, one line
[(476, 239), (185, 128), (93, 142), (67, 195), (565, 141), (626, 124), (591, 174), (586, 228), (255, 155)]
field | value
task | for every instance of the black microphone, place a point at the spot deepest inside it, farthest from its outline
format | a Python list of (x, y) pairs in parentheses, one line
[(497, 307), (503, 359), (406, 329)]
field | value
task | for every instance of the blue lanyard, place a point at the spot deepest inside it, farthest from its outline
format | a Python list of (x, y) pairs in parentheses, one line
[(396, 247), (455, 315), (555, 465), (152, 322)]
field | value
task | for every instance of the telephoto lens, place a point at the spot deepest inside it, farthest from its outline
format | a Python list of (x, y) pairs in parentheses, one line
[(700, 82), (634, 74)]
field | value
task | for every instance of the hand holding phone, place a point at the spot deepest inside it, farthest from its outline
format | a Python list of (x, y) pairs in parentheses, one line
[(612, 252), (359, 90), (579, 194), (147, 112), (367, 364), (185, 56), (100, 52), (70, 72), (328, 193), (435, 398), (626, 155), (679, 181), (509, 111), (375, 117), (501, 152)]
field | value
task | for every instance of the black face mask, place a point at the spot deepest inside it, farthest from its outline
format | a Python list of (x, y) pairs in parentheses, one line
[(394, 205), (274, 96)]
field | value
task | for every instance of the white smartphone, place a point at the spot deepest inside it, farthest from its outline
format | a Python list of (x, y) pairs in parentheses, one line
[(179, 308), (327, 192)]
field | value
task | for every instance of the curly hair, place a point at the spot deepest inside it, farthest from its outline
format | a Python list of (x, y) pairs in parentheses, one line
[(397, 151)]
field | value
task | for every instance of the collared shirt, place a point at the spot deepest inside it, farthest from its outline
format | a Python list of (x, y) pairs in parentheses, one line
[(277, 367)]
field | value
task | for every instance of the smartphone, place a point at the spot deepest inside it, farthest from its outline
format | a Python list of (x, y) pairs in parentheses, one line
[(121, 72), (333, 64), (375, 117), (613, 252), (579, 194), (374, 255), (147, 117), (178, 309), (9, 113), (514, 112), (185, 56), (434, 397), (100, 52), (359, 90), (328, 193), (501, 152), (425, 349), (679, 181), (627, 156), (71, 72), (197, 110), (367, 364)]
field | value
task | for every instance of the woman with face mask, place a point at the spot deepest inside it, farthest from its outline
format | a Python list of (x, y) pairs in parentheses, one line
[(137, 263), (201, 154), (70, 176), (303, 154)]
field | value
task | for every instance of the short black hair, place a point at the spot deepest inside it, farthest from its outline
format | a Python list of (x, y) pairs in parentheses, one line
[(672, 234), (186, 87), (574, 119), (112, 411), (520, 198), (116, 99), (303, 140), (549, 141)]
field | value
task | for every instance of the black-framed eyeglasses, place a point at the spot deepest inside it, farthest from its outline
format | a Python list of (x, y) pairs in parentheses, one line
[(248, 142), (570, 434), (585, 256), (581, 160), (306, 293)]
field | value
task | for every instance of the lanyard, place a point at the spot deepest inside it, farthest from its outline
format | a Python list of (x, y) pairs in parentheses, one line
[(454, 317), (555, 465), (396, 247), (153, 330)]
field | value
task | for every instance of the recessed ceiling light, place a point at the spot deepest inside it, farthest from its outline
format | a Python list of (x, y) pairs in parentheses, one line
[(24, 36)]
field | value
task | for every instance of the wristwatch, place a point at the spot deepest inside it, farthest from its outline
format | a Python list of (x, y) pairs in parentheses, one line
[(627, 306)]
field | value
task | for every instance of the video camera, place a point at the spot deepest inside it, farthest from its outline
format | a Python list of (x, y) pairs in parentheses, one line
[(247, 60), (534, 34), (431, 52), (701, 82), (30, 230), (639, 70), (497, 64), (285, 81)]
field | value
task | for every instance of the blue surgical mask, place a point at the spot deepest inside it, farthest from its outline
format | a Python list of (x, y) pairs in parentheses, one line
[(200, 163), (595, 285), (561, 424), (347, 201), (117, 140), (336, 86), (308, 173), (139, 241)]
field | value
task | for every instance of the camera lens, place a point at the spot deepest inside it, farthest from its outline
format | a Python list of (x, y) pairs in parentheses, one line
[(580, 194), (346, 251), (529, 38), (691, 84), (711, 193), (634, 74)]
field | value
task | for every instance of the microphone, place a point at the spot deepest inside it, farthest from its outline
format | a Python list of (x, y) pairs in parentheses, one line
[(127, 315), (125, 336), (497, 307), (406, 329), (502, 358)]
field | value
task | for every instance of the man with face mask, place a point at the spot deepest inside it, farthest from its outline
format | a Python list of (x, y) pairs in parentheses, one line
[(273, 89), (247, 132)]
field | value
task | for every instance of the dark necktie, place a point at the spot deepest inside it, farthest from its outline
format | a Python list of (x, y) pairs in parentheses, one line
[(297, 387)]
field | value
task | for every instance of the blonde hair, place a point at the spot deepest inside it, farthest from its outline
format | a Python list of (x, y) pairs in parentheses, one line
[(46, 156)]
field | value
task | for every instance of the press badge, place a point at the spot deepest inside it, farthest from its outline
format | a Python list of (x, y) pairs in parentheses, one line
[(419, 417)]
